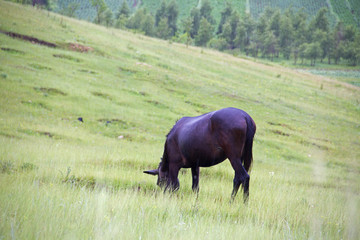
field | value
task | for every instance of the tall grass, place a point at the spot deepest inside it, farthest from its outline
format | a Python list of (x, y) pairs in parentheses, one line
[(61, 178)]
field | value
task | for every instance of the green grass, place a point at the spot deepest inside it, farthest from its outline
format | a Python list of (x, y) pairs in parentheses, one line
[(61, 178)]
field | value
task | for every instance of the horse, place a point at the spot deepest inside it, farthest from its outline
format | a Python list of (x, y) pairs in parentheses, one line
[(205, 141)]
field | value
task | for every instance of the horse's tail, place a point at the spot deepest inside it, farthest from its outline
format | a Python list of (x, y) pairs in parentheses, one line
[(247, 156)]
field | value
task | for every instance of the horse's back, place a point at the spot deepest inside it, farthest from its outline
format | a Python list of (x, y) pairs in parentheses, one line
[(229, 119)]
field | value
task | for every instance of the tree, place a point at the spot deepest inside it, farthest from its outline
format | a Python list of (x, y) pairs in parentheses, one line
[(295, 50), (169, 12), (100, 7), (187, 26), (338, 52), (195, 16), (226, 33), (205, 33), (124, 11), (47, 4), (218, 43), (136, 20), (162, 30), (160, 13), (326, 42), (70, 9), (143, 21), (172, 12), (229, 29), (302, 51), (252, 49), (274, 23), (321, 21), (108, 17), (147, 25), (300, 35), (240, 40), (286, 33), (270, 44), (312, 52), (225, 13), (121, 22), (349, 33), (352, 48), (249, 25), (330, 45), (205, 12), (338, 47)]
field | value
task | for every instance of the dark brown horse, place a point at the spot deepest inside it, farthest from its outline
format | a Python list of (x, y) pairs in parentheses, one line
[(205, 141)]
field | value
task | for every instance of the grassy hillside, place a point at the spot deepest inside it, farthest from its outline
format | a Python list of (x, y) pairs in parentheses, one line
[(61, 178)]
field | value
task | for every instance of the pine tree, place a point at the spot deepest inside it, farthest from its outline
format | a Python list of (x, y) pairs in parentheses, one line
[(124, 11), (205, 12), (205, 33), (172, 12), (169, 12), (136, 20), (240, 40), (160, 13), (225, 13), (187, 25), (195, 16), (274, 23), (229, 29), (270, 44), (286, 36), (321, 21), (147, 25), (108, 17), (162, 30)]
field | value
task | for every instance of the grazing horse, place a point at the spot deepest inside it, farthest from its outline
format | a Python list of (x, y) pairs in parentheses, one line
[(207, 140)]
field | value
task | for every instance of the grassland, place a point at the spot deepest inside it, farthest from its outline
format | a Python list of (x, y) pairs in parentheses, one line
[(65, 179)]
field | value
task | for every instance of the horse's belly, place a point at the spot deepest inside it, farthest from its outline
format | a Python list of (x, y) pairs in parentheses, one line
[(204, 158), (212, 162)]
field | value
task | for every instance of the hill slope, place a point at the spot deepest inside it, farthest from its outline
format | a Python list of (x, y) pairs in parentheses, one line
[(65, 178)]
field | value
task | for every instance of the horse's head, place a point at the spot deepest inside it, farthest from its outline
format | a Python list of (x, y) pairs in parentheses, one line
[(162, 174)]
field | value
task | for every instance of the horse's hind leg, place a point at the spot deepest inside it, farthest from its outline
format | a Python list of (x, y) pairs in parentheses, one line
[(241, 177), (246, 185)]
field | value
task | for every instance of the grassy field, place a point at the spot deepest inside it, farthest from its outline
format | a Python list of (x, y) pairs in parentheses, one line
[(342, 72), (65, 179)]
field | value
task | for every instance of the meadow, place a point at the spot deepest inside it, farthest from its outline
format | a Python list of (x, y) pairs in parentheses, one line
[(61, 178)]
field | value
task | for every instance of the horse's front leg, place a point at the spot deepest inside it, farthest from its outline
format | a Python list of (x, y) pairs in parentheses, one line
[(195, 171), (173, 181)]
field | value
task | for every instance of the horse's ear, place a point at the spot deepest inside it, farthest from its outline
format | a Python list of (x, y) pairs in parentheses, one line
[(152, 172)]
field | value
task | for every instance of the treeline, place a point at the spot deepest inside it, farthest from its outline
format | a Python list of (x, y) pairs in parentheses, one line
[(288, 34)]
